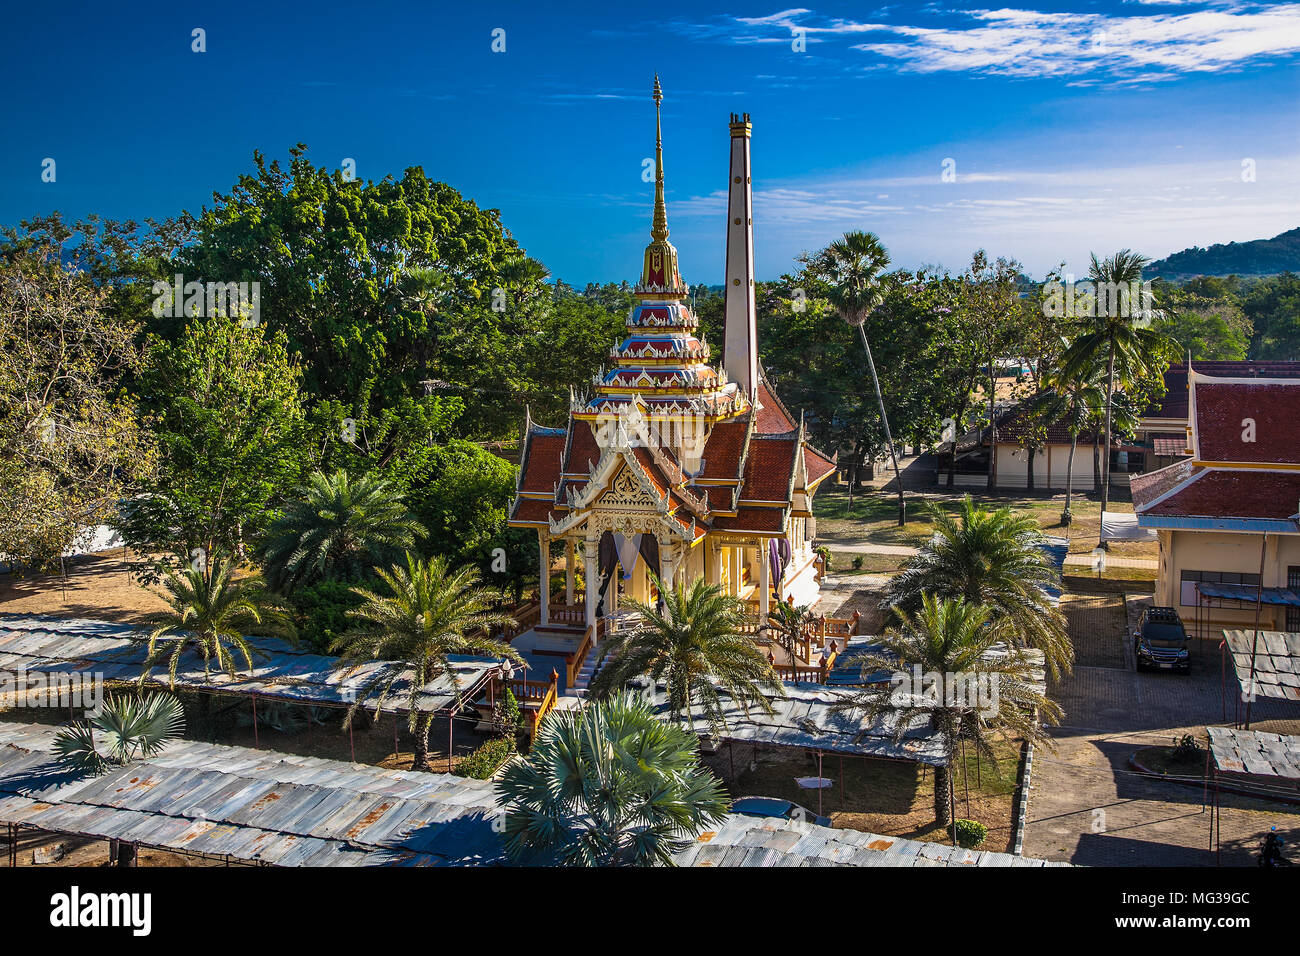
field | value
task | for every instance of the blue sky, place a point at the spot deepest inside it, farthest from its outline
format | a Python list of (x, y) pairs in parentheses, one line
[(1071, 126)]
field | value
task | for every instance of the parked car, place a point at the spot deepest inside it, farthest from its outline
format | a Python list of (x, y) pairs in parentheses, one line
[(1160, 641), (776, 809)]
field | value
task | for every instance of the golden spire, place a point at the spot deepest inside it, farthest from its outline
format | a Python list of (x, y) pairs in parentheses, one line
[(659, 228)]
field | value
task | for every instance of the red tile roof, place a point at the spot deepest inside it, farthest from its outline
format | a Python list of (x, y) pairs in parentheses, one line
[(583, 450), (1217, 493), (769, 469), (817, 465), (772, 417), (533, 511), (1222, 409), (723, 450), (1174, 402), (765, 520), (541, 468)]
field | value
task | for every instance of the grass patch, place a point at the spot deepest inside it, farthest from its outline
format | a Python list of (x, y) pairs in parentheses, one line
[(843, 562), (892, 798)]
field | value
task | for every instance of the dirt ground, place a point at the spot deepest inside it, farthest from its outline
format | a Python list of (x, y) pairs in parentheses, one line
[(879, 796), (97, 586), (84, 852)]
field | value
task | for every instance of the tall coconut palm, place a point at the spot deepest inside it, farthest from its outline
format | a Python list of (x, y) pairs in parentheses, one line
[(1115, 333), (947, 639), (430, 614), (696, 647), (610, 785), (1074, 401), (853, 267), (214, 613), (993, 558), (336, 528)]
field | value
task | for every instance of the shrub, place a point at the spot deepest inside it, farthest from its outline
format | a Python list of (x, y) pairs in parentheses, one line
[(485, 761), (857, 563), (825, 553), (1188, 747), (971, 833), (320, 612)]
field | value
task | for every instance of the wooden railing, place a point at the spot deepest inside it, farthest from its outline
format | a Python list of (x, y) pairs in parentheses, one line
[(526, 615), (567, 615), (536, 697), (573, 662), (547, 704), (807, 673)]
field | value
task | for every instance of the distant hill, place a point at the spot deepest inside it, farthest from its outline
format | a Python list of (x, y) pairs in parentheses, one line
[(1254, 258)]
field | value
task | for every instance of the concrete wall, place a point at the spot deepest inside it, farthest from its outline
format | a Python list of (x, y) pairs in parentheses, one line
[(1049, 467)]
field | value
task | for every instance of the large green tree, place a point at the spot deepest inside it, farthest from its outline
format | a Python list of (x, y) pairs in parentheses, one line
[(381, 287), (230, 428), (73, 439)]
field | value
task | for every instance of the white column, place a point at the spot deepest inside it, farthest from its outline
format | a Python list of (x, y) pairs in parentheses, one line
[(764, 585), (737, 570), (544, 577), (591, 576), (713, 557), (568, 571)]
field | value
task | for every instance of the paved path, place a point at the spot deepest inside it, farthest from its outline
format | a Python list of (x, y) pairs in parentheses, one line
[(864, 546), (1089, 807)]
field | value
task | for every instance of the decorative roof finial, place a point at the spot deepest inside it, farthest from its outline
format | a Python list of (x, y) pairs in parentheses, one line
[(659, 228)]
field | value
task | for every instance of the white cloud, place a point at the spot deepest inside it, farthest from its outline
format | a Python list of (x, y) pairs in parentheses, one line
[(1142, 47)]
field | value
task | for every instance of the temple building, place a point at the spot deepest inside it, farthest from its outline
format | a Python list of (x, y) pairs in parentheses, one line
[(673, 465)]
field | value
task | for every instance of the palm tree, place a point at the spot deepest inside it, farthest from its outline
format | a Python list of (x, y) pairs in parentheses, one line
[(853, 267), (1074, 401), (1116, 335), (430, 614), (212, 612), (131, 727), (610, 785), (951, 640), (336, 528), (696, 647), (993, 558)]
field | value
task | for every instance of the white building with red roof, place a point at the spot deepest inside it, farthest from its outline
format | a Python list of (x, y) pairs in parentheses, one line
[(1228, 516), (672, 466)]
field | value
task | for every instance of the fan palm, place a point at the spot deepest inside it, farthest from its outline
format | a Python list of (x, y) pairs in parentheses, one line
[(430, 614), (1117, 336), (131, 727), (852, 267), (214, 613), (336, 528), (695, 646), (952, 640), (993, 558), (609, 785)]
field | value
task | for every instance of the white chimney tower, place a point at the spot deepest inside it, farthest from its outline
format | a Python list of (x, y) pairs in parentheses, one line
[(740, 341)]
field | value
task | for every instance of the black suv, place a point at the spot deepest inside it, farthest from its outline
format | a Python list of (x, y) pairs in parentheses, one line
[(1160, 641)]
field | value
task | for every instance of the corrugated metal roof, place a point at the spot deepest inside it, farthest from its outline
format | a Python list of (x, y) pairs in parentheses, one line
[(253, 805), (115, 652), (289, 810), (755, 841), (1254, 753), (1277, 659), (813, 716)]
